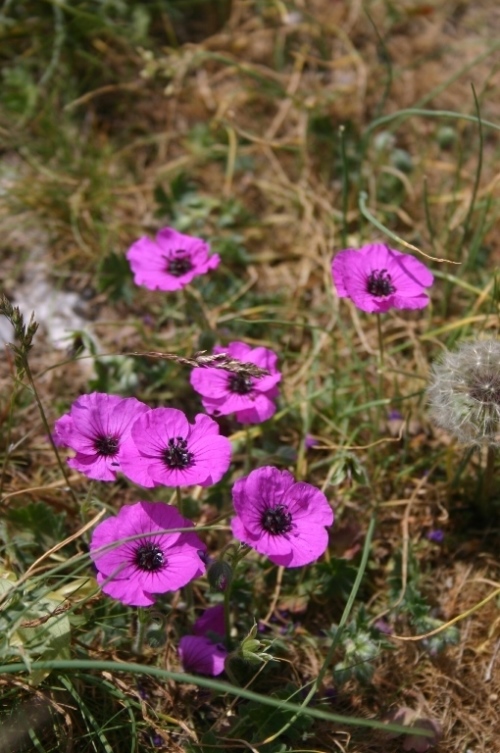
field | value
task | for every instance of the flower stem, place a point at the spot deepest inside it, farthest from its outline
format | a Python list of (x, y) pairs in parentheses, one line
[(188, 588), (142, 619), (180, 501), (237, 557), (46, 426), (197, 310), (380, 343), (380, 370), (248, 448), (227, 616)]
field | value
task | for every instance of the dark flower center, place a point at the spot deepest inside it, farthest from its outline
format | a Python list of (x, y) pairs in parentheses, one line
[(179, 264), (106, 446), (241, 384), (379, 283), (177, 455), (277, 520), (149, 557)]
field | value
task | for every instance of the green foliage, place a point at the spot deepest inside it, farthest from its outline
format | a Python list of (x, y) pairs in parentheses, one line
[(114, 278), (256, 724), (32, 626), (32, 528), (335, 578), (360, 644), (417, 607)]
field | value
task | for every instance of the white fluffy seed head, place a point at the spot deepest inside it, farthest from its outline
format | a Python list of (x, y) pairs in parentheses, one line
[(464, 392)]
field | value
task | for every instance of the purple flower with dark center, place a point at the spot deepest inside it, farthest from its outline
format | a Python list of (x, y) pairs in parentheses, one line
[(166, 449), (282, 518), (250, 398), (139, 553), (98, 428), (377, 278), (171, 261)]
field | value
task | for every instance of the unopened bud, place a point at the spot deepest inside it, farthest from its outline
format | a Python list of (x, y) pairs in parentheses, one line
[(220, 575)]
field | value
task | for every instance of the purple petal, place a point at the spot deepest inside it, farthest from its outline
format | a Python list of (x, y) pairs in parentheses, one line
[(199, 654), (95, 466), (152, 431), (212, 383), (63, 429)]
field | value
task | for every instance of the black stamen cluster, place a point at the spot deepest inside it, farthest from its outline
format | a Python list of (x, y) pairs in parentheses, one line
[(277, 520), (380, 283), (179, 264), (149, 557), (106, 446), (241, 384), (177, 455)]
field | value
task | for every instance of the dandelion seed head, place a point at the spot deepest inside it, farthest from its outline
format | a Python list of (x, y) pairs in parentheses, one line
[(464, 393)]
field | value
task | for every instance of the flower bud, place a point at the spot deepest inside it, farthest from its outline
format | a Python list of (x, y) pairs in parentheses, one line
[(251, 650), (219, 575)]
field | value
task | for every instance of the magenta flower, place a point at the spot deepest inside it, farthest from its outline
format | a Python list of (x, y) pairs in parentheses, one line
[(376, 278), (166, 449), (199, 654), (132, 570), (171, 261), (98, 428), (250, 398), (280, 517)]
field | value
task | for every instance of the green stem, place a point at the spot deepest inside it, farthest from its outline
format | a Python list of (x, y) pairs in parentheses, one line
[(47, 428), (140, 631), (248, 448), (188, 588), (227, 615), (196, 311), (380, 370), (237, 557), (345, 185), (180, 501), (380, 343)]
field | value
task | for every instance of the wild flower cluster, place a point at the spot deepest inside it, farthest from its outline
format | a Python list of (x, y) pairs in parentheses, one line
[(151, 548)]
